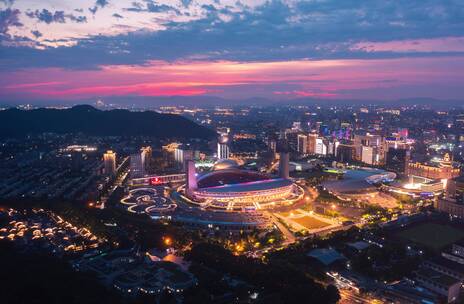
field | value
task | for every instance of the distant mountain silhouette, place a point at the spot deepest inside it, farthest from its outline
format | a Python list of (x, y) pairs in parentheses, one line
[(88, 120), (211, 101)]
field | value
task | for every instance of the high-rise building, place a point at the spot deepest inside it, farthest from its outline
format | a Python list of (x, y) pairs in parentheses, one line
[(182, 154), (137, 165), (191, 177), (312, 143), (370, 155), (368, 140), (302, 144), (455, 189), (403, 133), (324, 130), (296, 126), (76, 160), (321, 146), (331, 146), (109, 162), (147, 155), (272, 145), (345, 152), (284, 165), (222, 148), (397, 159)]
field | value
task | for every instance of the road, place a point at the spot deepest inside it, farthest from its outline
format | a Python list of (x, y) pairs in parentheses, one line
[(289, 237), (351, 296)]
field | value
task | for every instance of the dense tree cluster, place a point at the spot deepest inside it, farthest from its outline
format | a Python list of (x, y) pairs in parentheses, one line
[(277, 282)]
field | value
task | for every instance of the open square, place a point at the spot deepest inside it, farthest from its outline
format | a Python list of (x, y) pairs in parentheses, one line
[(310, 222), (435, 236)]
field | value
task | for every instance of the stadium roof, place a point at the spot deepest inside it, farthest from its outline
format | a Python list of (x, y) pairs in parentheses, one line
[(266, 184)]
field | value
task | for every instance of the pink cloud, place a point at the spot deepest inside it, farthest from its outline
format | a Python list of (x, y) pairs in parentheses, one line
[(304, 78), (447, 44), (297, 93)]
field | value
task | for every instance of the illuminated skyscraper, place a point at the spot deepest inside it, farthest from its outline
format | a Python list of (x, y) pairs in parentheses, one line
[(312, 143), (191, 177), (321, 146), (137, 165), (272, 145), (146, 154), (223, 148), (109, 162), (397, 159), (370, 155), (302, 144)]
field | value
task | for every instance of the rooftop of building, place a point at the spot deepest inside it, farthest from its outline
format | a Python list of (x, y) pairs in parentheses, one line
[(446, 263), (326, 256), (437, 277)]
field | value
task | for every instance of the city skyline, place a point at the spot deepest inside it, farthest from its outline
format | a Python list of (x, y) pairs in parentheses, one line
[(277, 50), (232, 151)]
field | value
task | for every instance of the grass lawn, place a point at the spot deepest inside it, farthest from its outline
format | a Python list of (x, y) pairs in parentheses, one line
[(432, 235), (310, 222)]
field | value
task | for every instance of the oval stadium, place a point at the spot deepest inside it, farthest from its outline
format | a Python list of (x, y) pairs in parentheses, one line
[(228, 187)]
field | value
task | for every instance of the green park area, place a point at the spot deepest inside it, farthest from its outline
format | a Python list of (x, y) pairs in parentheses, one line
[(434, 236)]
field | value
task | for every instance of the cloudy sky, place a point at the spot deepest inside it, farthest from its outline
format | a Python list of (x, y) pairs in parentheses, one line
[(63, 50)]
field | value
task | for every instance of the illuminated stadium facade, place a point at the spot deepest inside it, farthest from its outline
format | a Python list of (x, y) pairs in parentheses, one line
[(227, 198), (231, 188)]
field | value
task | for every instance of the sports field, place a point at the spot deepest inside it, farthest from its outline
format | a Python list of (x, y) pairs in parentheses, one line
[(435, 236), (310, 222), (289, 213)]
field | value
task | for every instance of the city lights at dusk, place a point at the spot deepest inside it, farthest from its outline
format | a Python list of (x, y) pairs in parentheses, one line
[(232, 151)]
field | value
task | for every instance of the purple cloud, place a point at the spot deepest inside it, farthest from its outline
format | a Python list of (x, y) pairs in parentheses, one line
[(9, 17)]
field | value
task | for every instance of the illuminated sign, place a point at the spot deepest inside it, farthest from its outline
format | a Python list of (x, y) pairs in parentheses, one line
[(155, 181)]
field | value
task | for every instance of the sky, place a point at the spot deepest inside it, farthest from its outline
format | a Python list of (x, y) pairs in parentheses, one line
[(69, 51)]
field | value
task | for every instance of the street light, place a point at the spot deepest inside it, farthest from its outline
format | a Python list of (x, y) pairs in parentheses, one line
[(167, 241)]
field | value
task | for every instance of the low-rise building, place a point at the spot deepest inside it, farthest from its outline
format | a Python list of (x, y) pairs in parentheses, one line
[(442, 284)]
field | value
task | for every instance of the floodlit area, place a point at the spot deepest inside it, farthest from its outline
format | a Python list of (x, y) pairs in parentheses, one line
[(357, 186), (298, 220)]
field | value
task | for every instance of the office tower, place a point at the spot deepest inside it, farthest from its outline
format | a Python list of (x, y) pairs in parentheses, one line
[(370, 155), (345, 152), (312, 143), (223, 148), (368, 140), (403, 133), (284, 165), (272, 144), (302, 144), (296, 126), (109, 162), (397, 159), (147, 155), (191, 177), (137, 165), (324, 130), (321, 146)]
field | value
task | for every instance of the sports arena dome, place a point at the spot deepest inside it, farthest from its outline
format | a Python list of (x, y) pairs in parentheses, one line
[(223, 164)]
